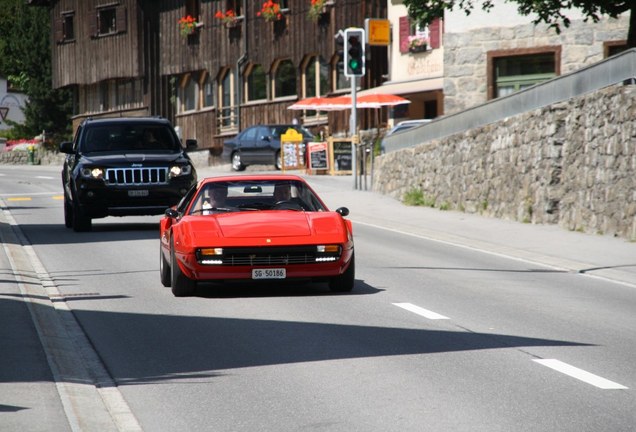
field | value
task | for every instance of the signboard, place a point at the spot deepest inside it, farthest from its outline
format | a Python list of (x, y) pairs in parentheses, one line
[(291, 154), (340, 155), (378, 31), (318, 155)]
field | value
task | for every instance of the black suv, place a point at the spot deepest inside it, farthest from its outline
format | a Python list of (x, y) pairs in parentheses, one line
[(123, 166)]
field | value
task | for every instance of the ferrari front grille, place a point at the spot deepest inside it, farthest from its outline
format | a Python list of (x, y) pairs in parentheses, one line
[(136, 176), (265, 256)]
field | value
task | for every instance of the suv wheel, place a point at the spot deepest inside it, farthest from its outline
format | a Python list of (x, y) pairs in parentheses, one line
[(237, 165), (80, 222), (68, 213)]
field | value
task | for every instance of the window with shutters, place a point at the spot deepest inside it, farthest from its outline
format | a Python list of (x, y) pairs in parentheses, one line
[(68, 26), (107, 21), (410, 30)]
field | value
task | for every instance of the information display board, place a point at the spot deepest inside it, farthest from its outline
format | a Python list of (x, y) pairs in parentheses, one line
[(340, 155), (291, 154), (318, 155)]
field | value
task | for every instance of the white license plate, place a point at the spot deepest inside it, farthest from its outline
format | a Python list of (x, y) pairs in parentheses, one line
[(275, 273), (138, 193)]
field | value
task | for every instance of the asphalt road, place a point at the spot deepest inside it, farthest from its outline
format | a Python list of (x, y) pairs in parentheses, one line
[(456, 323)]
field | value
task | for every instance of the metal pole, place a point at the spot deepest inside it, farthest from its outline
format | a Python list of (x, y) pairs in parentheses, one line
[(353, 129)]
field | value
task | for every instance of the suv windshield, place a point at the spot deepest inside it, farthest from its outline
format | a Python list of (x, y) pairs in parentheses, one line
[(130, 137)]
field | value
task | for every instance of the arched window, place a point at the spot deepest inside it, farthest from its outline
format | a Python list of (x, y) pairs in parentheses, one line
[(315, 77), (226, 107), (284, 79), (188, 93), (340, 81), (255, 83), (207, 84)]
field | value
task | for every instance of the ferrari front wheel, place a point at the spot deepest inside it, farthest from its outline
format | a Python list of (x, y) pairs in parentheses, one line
[(164, 269), (345, 281), (182, 286)]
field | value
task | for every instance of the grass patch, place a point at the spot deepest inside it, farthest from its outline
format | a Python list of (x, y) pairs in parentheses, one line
[(415, 197)]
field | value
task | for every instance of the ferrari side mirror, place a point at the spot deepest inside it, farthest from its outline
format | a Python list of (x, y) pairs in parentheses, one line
[(343, 211)]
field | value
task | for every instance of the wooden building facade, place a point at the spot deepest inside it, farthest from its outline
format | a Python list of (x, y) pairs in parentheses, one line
[(213, 67)]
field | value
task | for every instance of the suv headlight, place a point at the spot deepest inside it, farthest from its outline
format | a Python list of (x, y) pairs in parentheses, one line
[(93, 173), (180, 170)]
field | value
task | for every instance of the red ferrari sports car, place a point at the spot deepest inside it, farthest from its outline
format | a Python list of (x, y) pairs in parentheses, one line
[(256, 227)]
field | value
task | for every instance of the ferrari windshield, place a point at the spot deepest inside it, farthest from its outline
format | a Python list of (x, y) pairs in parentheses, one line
[(246, 195)]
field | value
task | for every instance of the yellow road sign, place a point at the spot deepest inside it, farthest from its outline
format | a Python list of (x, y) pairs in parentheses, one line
[(378, 31)]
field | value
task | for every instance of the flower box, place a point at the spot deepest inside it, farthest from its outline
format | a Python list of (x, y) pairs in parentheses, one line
[(418, 48)]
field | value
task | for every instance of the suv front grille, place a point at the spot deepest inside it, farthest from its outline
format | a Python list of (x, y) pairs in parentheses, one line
[(136, 176)]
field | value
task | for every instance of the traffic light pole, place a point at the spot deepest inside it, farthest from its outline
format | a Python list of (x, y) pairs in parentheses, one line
[(353, 125)]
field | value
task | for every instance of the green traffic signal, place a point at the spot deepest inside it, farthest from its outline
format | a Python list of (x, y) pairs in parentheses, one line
[(354, 52)]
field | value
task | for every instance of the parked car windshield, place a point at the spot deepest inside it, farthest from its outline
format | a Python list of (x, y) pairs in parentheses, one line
[(137, 137), (277, 131)]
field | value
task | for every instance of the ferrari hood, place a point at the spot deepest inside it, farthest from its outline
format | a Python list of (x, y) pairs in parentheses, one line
[(267, 224)]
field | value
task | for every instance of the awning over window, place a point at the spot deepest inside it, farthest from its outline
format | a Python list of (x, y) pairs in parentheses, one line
[(406, 87)]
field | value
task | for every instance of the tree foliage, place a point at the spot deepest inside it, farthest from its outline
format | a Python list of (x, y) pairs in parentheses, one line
[(551, 12), (25, 61)]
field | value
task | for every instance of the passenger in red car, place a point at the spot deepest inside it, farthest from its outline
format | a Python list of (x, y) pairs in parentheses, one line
[(282, 192)]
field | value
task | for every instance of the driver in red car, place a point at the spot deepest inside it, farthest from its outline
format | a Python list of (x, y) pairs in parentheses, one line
[(216, 198)]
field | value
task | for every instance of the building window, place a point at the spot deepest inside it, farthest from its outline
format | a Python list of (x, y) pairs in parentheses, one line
[(233, 5), (340, 81), (193, 8), (316, 77), (107, 21), (284, 79), (614, 47), (104, 96), (226, 116), (208, 91), (68, 26), (188, 93), (256, 83), (514, 70)]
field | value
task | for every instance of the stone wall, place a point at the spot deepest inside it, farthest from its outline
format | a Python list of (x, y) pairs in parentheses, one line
[(572, 164)]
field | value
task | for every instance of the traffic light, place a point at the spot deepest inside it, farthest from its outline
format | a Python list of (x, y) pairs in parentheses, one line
[(354, 52)]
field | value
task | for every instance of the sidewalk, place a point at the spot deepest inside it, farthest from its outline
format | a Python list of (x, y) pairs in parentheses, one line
[(549, 245)]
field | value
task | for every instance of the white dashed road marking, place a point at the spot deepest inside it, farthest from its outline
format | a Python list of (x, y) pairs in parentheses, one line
[(421, 311), (580, 374)]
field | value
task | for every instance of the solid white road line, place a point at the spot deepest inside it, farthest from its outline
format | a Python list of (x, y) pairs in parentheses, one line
[(421, 311), (580, 374)]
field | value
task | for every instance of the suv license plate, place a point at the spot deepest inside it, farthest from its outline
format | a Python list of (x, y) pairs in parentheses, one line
[(275, 273), (138, 193)]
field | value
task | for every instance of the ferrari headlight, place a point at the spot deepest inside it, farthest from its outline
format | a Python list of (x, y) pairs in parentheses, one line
[(94, 173), (210, 256), (180, 170), (327, 253)]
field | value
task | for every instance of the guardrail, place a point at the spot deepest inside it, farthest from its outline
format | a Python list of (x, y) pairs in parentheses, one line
[(613, 70)]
